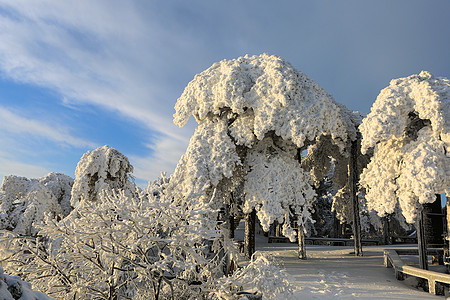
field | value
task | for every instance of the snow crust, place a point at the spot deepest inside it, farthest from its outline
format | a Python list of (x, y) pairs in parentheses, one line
[(103, 169), (25, 202), (410, 131)]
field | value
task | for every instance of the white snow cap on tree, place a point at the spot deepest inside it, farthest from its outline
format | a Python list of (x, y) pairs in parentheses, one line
[(409, 128), (24, 202), (103, 169), (268, 94)]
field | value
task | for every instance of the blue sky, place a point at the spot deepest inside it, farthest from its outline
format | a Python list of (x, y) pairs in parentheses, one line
[(81, 74)]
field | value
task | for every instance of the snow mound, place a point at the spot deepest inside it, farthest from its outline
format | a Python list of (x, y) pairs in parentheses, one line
[(12, 287), (103, 169)]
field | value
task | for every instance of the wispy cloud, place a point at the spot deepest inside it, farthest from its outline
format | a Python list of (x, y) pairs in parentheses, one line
[(16, 125), (11, 167)]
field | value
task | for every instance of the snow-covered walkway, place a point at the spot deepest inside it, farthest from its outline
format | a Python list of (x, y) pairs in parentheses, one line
[(335, 273)]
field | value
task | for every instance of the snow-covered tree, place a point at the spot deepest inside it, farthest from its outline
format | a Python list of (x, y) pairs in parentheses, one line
[(409, 129), (23, 202), (103, 169), (246, 104)]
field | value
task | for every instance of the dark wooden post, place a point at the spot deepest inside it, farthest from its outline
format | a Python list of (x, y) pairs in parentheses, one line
[(421, 241), (352, 184), (300, 227), (433, 223), (447, 240), (249, 240)]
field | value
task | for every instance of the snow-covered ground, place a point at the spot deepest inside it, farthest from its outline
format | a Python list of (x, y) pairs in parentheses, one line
[(333, 272)]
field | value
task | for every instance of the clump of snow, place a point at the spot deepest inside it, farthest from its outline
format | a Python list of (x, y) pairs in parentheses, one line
[(261, 274), (410, 131), (61, 187), (24, 202), (12, 287), (276, 186), (423, 94), (103, 169), (210, 156)]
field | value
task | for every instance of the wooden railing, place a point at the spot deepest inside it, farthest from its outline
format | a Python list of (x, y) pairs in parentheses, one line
[(324, 241), (435, 280)]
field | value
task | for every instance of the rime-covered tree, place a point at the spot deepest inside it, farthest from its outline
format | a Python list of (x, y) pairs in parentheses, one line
[(24, 202), (254, 115), (409, 129), (101, 170)]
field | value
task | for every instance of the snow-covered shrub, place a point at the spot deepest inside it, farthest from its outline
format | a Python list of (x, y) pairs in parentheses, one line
[(261, 275), (138, 247), (12, 287), (23, 202), (409, 128), (103, 169)]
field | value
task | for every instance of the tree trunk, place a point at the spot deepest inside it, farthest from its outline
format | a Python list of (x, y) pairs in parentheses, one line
[(300, 228), (387, 237), (301, 240), (249, 240), (231, 226), (421, 241), (352, 183)]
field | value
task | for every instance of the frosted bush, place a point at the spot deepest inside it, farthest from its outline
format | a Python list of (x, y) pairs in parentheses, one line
[(261, 275), (138, 247)]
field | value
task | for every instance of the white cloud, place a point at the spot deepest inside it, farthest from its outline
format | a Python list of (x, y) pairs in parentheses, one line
[(9, 166), (15, 124), (114, 55), (166, 153)]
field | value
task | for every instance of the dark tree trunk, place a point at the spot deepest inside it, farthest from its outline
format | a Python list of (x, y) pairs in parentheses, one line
[(249, 240), (421, 241), (231, 226), (352, 183), (300, 228), (387, 237)]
